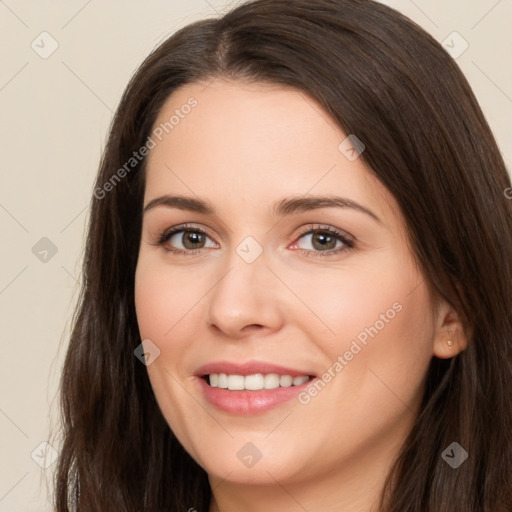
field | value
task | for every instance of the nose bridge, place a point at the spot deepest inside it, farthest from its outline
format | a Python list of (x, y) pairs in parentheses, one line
[(244, 295)]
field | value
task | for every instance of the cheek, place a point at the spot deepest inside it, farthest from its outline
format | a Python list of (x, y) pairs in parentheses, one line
[(377, 331), (163, 298), (161, 316), (377, 361), (363, 302)]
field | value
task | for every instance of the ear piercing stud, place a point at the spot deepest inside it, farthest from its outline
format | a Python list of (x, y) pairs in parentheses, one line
[(450, 343)]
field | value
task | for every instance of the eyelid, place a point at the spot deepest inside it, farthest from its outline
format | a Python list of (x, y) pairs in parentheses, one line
[(323, 227), (347, 239), (165, 235)]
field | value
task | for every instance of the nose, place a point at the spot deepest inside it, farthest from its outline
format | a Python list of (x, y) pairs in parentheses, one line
[(245, 300)]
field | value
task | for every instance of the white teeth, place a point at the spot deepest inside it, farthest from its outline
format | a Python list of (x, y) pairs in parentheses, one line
[(235, 382), (285, 381), (222, 381), (297, 381), (255, 381), (271, 381)]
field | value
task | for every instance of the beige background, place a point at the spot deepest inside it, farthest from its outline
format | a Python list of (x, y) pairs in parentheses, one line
[(55, 116)]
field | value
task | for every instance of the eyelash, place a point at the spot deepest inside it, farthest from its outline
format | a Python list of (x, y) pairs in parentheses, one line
[(348, 243)]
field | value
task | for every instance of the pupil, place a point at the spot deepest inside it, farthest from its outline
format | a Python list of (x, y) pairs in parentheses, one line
[(192, 238), (324, 238)]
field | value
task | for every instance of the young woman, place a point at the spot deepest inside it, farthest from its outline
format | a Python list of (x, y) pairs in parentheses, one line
[(297, 279)]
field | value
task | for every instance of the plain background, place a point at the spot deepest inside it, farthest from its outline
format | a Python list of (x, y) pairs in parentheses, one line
[(55, 116)]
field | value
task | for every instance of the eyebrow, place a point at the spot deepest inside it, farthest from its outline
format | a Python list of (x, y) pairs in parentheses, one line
[(286, 206)]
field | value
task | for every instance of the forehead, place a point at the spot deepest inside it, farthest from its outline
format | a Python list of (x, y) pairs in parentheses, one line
[(257, 142)]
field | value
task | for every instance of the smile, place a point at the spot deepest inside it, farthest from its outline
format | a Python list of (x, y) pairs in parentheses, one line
[(254, 382)]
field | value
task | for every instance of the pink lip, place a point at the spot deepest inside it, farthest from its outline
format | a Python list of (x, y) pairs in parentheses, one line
[(248, 368), (246, 403)]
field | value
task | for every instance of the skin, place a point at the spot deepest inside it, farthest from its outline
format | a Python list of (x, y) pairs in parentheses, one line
[(242, 148)]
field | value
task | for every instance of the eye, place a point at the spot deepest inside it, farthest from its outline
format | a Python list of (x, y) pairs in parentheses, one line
[(323, 241), (185, 239)]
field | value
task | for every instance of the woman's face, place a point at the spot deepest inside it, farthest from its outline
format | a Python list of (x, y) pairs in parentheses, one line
[(271, 279)]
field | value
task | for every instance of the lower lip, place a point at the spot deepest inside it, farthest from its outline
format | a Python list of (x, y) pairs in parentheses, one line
[(246, 403)]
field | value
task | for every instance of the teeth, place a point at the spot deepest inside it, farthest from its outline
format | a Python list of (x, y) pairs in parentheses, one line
[(271, 381), (297, 381), (255, 381), (223, 380), (236, 382), (285, 381)]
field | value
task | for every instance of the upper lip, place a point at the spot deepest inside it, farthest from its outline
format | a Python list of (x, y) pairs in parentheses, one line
[(248, 368)]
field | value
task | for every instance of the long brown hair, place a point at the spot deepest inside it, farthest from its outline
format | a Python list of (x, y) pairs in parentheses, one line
[(383, 78)]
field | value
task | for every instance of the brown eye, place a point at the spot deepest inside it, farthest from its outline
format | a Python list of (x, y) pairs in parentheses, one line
[(185, 240), (191, 239), (323, 241)]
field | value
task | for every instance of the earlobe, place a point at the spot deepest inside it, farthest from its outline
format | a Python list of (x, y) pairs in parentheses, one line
[(447, 347), (450, 338)]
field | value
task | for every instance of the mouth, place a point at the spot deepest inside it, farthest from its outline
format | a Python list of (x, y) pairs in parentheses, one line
[(254, 381), (250, 388)]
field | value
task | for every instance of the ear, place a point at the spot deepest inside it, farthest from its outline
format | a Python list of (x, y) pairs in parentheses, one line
[(449, 339)]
